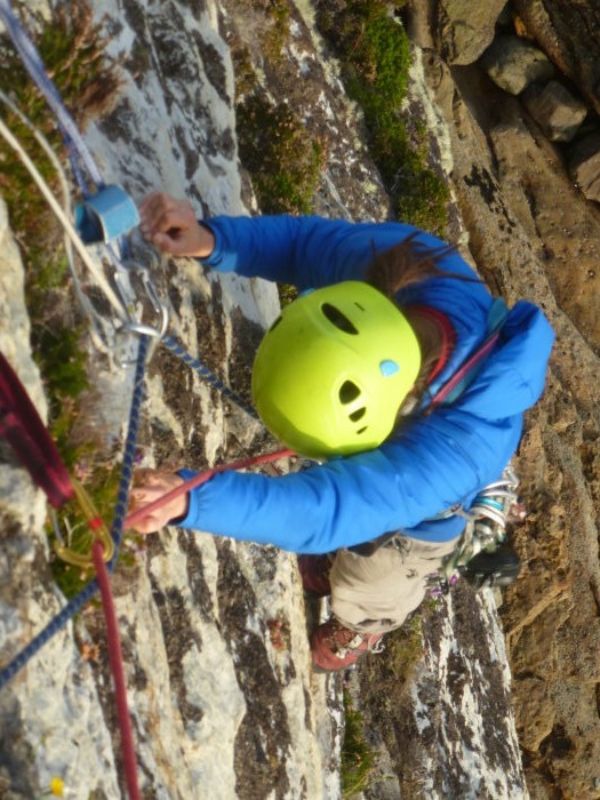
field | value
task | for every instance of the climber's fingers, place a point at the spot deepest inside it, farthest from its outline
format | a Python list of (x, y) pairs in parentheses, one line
[(150, 485)]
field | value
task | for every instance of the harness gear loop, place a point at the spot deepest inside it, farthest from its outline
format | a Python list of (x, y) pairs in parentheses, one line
[(496, 505)]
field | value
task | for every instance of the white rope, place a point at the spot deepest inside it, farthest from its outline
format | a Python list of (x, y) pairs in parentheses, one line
[(89, 309), (66, 224)]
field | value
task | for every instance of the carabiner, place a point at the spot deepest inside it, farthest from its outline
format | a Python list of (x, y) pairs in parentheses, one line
[(96, 529)]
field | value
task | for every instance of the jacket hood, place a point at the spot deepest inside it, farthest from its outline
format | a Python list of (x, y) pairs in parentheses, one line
[(512, 377)]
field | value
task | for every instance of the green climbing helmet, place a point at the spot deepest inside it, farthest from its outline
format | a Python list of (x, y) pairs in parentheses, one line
[(334, 368)]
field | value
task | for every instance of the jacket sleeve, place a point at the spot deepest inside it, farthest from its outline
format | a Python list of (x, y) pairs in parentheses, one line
[(355, 499), (307, 252)]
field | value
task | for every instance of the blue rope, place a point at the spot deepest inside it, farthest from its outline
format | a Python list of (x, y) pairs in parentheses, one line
[(129, 449), (175, 346), (76, 603), (34, 65)]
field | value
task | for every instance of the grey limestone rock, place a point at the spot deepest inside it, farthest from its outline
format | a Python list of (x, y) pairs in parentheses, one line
[(514, 64), (556, 110), (466, 28)]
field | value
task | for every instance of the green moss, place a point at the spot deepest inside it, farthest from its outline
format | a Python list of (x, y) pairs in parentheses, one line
[(245, 76), (276, 33), (358, 759), (375, 54), (275, 28), (283, 161)]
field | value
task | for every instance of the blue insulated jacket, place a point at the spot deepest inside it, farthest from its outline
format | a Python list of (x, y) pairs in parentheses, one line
[(430, 463)]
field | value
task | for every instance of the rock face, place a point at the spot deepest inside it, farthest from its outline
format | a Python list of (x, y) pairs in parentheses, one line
[(223, 699), (463, 30), (584, 166), (221, 693), (567, 33), (28, 718), (532, 234)]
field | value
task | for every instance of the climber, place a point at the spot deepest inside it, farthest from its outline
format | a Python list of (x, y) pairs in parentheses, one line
[(346, 375)]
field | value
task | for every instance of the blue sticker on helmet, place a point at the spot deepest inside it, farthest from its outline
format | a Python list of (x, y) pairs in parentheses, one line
[(388, 368)]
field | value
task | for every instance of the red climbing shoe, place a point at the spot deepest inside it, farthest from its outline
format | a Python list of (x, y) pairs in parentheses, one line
[(314, 571), (336, 647)]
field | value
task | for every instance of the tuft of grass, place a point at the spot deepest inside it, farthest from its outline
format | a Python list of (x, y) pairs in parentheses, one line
[(358, 758), (374, 51)]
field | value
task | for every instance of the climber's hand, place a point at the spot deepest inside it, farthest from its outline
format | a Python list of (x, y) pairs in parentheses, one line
[(149, 485), (171, 225)]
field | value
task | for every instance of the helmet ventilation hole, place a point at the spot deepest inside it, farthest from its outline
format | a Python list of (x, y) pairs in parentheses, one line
[(358, 414), (348, 392), (362, 430), (341, 321)]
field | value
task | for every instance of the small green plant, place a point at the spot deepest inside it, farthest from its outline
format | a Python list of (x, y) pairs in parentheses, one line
[(358, 758), (375, 54)]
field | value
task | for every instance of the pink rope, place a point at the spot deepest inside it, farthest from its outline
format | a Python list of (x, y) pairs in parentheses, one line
[(115, 657), (463, 371), (198, 480)]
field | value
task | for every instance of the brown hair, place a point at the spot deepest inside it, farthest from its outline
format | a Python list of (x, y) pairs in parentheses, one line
[(403, 265)]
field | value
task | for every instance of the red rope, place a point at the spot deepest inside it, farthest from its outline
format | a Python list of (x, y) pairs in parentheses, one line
[(115, 657), (200, 478), (21, 426)]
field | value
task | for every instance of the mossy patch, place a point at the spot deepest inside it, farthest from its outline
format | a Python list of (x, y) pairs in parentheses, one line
[(358, 758), (284, 162), (374, 51)]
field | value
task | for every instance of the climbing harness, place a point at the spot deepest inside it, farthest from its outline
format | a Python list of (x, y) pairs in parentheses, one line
[(482, 556)]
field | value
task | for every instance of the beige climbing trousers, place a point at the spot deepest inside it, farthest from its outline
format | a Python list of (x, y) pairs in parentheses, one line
[(375, 593)]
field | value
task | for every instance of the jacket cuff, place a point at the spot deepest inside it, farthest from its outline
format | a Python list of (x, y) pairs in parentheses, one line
[(187, 520), (215, 259)]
